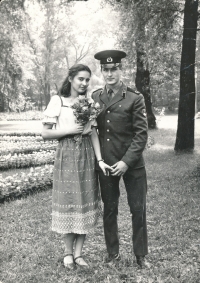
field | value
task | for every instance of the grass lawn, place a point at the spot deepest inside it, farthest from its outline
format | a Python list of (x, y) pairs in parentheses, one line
[(30, 252)]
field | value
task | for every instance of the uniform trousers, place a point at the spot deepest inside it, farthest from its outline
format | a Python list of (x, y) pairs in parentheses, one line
[(136, 188)]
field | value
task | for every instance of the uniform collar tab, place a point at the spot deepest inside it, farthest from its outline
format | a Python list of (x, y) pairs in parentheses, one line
[(124, 90)]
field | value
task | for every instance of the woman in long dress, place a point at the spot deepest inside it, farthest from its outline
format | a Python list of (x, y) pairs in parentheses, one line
[(75, 196)]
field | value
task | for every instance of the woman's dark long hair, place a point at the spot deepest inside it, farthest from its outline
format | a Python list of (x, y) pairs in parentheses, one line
[(73, 71)]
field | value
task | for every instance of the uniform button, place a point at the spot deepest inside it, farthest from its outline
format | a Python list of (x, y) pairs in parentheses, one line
[(108, 130), (108, 111), (108, 139), (108, 121)]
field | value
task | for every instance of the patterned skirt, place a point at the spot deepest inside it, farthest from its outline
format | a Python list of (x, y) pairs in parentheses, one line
[(76, 204)]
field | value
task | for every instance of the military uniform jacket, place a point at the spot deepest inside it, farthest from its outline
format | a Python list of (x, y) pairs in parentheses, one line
[(122, 126)]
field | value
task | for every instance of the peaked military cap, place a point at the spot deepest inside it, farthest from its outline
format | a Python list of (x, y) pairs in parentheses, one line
[(110, 56)]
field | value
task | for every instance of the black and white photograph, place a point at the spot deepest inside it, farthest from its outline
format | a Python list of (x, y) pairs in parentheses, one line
[(99, 141)]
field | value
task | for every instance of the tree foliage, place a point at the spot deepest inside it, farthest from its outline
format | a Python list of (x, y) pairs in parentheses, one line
[(159, 37), (41, 39), (53, 36), (10, 69)]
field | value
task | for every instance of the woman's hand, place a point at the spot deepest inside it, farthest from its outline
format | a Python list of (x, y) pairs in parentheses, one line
[(49, 133), (105, 168), (75, 129)]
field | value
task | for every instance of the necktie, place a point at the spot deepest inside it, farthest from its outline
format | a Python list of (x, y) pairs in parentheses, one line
[(110, 94)]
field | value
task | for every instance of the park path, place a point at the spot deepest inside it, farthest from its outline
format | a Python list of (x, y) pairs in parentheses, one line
[(166, 122), (36, 126), (12, 126)]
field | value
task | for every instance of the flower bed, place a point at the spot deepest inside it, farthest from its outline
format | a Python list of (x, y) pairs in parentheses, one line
[(27, 150), (23, 116), (14, 138), (24, 143), (21, 150), (23, 184), (24, 147), (19, 134), (26, 160)]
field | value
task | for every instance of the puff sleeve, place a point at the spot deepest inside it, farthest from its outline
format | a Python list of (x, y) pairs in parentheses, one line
[(52, 111)]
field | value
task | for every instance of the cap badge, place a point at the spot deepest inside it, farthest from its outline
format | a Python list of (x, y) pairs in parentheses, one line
[(109, 59)]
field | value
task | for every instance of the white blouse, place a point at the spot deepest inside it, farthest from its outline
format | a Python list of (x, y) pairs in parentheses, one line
[(60, 114)]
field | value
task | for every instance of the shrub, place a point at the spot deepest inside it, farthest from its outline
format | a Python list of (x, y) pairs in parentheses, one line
[(20, 184)]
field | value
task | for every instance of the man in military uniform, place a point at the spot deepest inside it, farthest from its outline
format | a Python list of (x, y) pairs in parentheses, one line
[(122, 127)]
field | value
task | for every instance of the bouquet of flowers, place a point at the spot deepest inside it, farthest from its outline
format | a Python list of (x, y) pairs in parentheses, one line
[(85, 110)]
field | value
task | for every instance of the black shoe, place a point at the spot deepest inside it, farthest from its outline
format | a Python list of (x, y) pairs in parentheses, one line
[(112, 258), (141, 262)]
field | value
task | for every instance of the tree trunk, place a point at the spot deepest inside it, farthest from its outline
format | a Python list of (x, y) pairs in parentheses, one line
[(186, 111), (2, 108), (142, 83), (47, 93), (142, 80), (40, 104), (48, 52)]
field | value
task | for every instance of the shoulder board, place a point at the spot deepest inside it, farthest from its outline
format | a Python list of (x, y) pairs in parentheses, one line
[(97, 90), (132, 90)]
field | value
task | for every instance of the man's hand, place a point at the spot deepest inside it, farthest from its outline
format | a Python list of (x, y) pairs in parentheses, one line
[(119, 168)]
